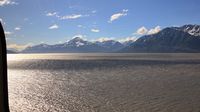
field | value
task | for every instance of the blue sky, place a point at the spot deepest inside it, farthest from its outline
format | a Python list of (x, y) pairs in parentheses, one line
[(29, 22)]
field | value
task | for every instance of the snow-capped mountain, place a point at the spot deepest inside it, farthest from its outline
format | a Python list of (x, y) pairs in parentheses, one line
[(37, 48), (171, 39), (191, 29), (76, 44)]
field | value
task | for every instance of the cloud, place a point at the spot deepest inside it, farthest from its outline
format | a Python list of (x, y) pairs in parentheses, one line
[(80, 26), (128, 39), (102, 39), (79, 35), (118, 15), (60, 42), (94, 11), (95, 30), (73, 16), (84, 37), (142, 30), (26, 19), (7, 2), (55, 26), (154, 30), (145, 31), (18, 47), (7, 32), (17, 28), (51, 14)]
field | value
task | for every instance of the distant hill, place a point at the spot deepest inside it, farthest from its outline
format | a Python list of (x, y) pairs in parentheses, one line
[(11, 52), (171, 39)]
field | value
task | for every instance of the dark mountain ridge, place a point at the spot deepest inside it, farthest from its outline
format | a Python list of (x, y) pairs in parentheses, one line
[(172, 39)]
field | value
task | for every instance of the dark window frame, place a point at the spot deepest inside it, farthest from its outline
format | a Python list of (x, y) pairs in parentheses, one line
[(4, 104)]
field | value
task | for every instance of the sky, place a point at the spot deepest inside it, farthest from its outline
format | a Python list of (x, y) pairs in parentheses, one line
[(31, 22)]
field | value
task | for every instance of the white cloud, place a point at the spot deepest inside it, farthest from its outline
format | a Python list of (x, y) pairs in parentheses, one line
[(18, 47), (128, 39), (7, 2), (125, 10), (73, 16), (95, 30), (60, 42), (80, 36), (118, 15), (7, 33), (55, 26), (94, 11), (51, 14), (80, 26), (142, 30), (145, 31), (17, 28), (154, 30), (102, 39)]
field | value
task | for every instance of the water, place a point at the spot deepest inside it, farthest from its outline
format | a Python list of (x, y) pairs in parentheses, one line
[(104, 82)]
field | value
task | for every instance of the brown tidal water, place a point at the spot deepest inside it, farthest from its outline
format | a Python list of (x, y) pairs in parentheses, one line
[(104, 82)]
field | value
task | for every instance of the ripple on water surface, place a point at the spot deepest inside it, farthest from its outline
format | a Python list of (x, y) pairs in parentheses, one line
[(47, 85)]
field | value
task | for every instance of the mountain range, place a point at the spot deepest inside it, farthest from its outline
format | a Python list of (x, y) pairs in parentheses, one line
[(77, 45), (11, 52), (171, 39)]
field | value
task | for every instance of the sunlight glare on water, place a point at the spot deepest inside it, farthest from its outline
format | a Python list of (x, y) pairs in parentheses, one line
[(110, 56), (104, 82)]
